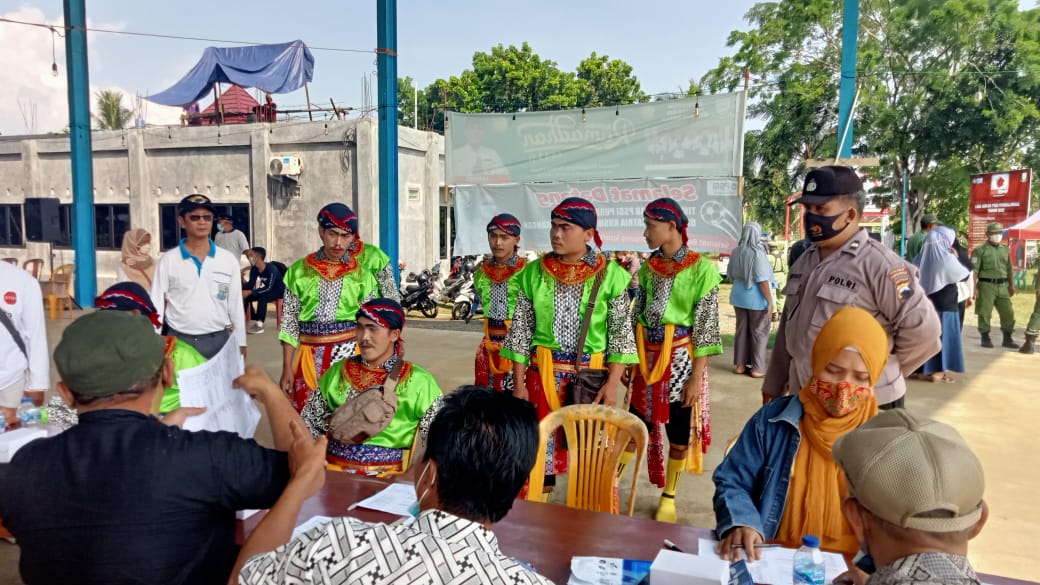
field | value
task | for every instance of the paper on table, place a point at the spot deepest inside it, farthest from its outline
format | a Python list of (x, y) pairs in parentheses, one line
[(210, 385), (777, 564), (397, 498), (607, 571), (595, 571), (310, 523)]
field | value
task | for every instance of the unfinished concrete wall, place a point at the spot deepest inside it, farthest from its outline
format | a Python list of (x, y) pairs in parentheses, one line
[(149, 167)]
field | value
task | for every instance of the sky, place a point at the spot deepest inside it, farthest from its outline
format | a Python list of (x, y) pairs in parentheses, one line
[(667, 42)]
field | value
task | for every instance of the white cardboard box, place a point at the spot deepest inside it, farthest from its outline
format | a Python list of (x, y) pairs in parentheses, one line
[(675, 568), (12, 441)]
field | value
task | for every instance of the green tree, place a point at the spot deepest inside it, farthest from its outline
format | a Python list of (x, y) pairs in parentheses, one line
[(110, 114), (513, 79), (406, 101), (946, 87), (603, 81)]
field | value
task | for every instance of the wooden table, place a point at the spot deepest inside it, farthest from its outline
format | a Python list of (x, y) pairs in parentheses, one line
[(543, 535)]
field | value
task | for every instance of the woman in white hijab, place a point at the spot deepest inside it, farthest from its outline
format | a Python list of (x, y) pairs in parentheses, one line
[(940, 272), (752, 298)]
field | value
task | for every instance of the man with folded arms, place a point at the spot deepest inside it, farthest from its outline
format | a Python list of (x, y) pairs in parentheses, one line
[(480, 450), (120, 498), (915, 500)]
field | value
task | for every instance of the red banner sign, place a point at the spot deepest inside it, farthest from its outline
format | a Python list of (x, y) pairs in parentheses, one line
[(1001, 196)]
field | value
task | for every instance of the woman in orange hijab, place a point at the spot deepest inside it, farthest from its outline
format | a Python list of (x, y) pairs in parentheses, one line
[(137, 264), (780, 480)]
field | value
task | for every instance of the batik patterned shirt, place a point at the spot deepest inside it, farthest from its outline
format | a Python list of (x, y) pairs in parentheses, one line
[(435, 548), (926, 569)]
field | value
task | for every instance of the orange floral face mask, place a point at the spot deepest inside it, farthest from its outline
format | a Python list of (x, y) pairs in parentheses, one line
[(838, 398)]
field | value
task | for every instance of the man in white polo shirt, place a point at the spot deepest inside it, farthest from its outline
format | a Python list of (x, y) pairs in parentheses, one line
[(197, 287), (24, 358)]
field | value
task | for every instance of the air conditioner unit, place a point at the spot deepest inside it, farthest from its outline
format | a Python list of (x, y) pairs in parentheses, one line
[(285, 165)]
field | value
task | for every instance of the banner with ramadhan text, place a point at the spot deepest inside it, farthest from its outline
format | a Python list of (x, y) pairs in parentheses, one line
[(713, 206), (690, 137), (1002, 196)]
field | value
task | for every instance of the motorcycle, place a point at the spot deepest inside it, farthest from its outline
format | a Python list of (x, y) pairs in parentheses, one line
[(461, 277), (419, 296), (462, 309)]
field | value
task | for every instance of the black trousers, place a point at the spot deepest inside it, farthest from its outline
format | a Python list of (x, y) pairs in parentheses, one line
[(261, 300)]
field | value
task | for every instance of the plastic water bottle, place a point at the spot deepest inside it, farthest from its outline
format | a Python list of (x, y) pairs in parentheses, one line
[(808, 563), (30, 415)]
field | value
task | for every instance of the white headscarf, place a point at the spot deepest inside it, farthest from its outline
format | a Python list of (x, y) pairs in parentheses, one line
[(749, 264), (939, 267)]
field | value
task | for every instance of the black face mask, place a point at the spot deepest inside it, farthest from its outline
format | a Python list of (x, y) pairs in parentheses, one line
[(821, 227), (864, 562)]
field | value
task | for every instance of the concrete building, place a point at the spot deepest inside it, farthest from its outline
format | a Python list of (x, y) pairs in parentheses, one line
[(140, 175)]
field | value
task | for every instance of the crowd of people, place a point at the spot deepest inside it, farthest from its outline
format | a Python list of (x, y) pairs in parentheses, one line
[(570, 327)]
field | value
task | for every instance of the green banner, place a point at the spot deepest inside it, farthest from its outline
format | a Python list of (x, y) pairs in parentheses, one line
[(691, 137)]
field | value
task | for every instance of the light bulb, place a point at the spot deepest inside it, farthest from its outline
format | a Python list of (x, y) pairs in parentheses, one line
[(54, 69)]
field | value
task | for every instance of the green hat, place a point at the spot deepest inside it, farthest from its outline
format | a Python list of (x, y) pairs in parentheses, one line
[(107, 352), (929, 219), (994, 227)]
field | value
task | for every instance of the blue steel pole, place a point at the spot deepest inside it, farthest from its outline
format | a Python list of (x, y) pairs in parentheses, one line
[(388, 189), (80, 152), (902, 249), (847, 90)]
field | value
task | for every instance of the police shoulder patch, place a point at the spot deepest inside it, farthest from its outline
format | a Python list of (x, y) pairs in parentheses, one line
[(901, 279)]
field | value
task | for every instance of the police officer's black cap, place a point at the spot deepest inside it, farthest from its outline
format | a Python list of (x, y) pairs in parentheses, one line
[(825, 183)]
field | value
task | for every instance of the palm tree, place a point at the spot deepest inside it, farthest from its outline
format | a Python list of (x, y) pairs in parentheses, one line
[(111, 115)]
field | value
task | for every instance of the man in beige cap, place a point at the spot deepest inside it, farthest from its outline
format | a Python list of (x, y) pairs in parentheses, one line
[(915, 500)]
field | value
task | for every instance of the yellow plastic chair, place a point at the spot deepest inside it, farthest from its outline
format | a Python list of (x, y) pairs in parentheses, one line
[(596, 436), (57, 291)]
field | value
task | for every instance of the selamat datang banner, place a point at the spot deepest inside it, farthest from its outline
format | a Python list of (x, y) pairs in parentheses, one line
[(690, 137), (711, 204)]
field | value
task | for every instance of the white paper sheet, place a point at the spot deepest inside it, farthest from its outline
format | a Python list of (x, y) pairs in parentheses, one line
[(397, 498), (595, 571), (310, 523), (777, 564), (209, 385)]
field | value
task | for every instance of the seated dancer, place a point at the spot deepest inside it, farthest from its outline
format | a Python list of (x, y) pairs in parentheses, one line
[(379, 325), (497, 286), (322, 294)]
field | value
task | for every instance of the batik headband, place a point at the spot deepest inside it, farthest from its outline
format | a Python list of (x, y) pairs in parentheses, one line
[(579, 212), (337, 215)]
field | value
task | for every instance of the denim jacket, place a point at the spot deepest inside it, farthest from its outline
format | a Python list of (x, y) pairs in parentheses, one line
[(751, 482)]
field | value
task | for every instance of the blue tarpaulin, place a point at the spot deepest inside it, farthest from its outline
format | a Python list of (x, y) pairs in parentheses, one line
[(279, 68)]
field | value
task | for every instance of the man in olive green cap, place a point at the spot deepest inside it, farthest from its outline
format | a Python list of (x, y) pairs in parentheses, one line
[(916, 242), (993, 285), (121, 498)]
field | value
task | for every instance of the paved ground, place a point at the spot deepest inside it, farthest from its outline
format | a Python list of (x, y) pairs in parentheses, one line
[(994, 406)]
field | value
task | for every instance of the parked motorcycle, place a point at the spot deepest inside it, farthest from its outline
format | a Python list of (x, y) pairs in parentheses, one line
[(452, 287), (462, 308), (419, 296)]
